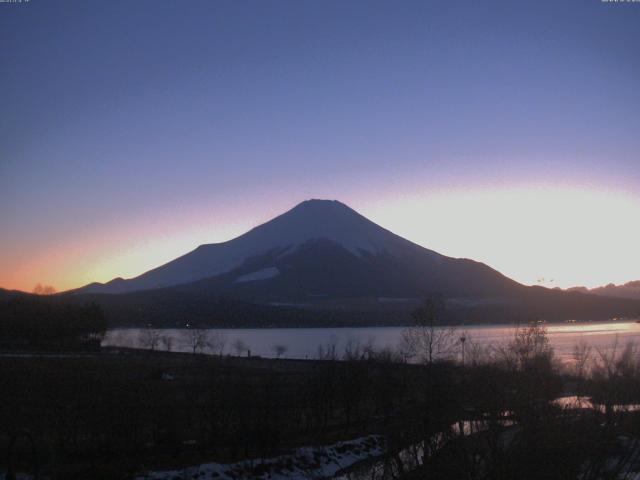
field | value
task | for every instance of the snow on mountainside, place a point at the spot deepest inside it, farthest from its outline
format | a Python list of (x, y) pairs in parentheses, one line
[(262, 274), (310, 220)]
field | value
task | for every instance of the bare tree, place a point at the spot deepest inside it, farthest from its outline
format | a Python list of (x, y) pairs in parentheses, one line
[(167, 342), (529, 344), (239, 346), (217, 342), (329, 351), (40, 289), (149, 338), (279, 349), (475, 353), (427, 340), (196, 339), (614, 377), (386, 355), (352, 350), (581, 358), (356, 350)]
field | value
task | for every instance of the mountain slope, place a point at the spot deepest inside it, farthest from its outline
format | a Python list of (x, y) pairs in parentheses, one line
[(322, 269)]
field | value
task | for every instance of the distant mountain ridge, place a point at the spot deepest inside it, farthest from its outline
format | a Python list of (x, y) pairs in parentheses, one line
[(627, 290)]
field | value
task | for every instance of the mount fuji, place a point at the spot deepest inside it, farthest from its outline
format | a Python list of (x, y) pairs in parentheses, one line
[(318, 248), (323, 263)]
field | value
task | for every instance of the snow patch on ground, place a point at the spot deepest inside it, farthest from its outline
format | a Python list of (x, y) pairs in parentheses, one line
[(262, 274), (302, 464)]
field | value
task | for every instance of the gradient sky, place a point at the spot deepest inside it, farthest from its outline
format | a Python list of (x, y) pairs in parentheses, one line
[(132, 131)]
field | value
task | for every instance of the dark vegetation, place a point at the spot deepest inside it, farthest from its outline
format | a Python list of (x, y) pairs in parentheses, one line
[(45, 323), (174, 307), (189, 304), (460, 410), (114, 414), (109, 416)]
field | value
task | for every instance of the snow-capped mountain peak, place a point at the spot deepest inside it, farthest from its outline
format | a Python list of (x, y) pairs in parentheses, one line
[(310, 220)]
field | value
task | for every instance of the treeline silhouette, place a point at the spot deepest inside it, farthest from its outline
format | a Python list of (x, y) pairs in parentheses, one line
[(46, 323), (172, 307)]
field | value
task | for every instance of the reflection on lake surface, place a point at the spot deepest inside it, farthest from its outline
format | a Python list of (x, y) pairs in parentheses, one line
[(304, 342)]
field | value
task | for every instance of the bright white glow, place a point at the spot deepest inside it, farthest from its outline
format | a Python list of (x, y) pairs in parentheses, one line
[(562, 236)]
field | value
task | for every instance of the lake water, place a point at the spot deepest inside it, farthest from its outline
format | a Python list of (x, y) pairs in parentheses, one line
[(304, 342)]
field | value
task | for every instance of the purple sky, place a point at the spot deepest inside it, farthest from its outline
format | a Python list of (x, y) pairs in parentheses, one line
[(131, 131)]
